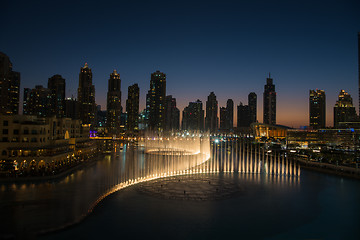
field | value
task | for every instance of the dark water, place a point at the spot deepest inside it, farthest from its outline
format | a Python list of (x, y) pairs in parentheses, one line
[(316, 206), (312, 206)]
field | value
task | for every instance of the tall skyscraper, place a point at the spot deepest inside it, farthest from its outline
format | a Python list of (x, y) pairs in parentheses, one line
[(9, 87), (132, 108), (72, 108), (252, 102), (172, 114), (229, 115), (86, 96), (223, 118), (211, 119), (269, 102), (156, 98), (113, 114), (56, 85), (317, 109), (344, 111), (37, 102), (244, 118), (359, 67), (193, 117), (26, 101)]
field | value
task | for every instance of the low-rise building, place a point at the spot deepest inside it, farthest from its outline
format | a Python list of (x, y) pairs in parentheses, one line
[(30, 142)]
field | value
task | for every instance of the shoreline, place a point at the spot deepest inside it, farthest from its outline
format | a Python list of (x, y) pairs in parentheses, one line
[(340, 171), (53, 177)]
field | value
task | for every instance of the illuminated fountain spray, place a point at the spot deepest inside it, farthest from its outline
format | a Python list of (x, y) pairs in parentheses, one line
[(239, 154), (192, 153)]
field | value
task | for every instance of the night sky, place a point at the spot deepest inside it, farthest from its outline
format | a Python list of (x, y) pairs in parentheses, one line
[(228, 47)]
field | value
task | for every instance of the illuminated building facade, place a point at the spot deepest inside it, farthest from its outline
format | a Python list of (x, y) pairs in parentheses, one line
[(193, 117), (211, 119), (156, 99), (344, 111), (269, 102), (86, 96), (132, 108), (37, 102), (317, 108), (113, 119), (56, 85), (172, 114), (30, 142), (9, 87)]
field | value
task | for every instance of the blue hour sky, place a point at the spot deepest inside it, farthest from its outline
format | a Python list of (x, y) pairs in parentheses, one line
[(228, 47)]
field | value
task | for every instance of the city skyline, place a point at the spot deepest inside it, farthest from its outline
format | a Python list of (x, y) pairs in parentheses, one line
[(228, 48)]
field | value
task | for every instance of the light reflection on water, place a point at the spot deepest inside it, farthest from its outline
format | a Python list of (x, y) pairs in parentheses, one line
[(31, 207)]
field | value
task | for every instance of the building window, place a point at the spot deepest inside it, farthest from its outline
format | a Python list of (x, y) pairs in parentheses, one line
[(5, 131), (6, 123), (5, 139), (16, 131)]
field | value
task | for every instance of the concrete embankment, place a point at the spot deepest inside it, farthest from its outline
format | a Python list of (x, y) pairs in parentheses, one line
[(342, 171)]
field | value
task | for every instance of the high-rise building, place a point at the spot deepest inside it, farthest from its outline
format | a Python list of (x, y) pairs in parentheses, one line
[(244, 118), (172, 114), (56, 85), (86, 96), (317, 109), (132, 108), (193, 117), (113, 104), (229, 125), (72, 108), (359, 67), (9, 87), (156, 98), (26, 100), (37, 101), (211, 119), (269, 102), (344, 111), (223, 118), (252, 102)]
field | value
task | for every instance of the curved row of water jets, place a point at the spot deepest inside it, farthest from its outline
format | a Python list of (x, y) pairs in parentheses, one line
[(172, 156)]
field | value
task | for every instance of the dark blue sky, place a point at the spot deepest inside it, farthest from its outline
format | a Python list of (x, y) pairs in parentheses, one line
[(223, 46)]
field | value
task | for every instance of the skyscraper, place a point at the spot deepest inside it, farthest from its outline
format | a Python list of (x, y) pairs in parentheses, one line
[(344, 111), (86, 96), (9, 87), (56, 85), (359, 67), (156, 98), (132, 108), (244, 118), (317, 109), (252, 102), (37, 101), (229, 115), (172, 114), (193, 117), (211, 119), (269, 102), (113, 114), (223, 118)]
